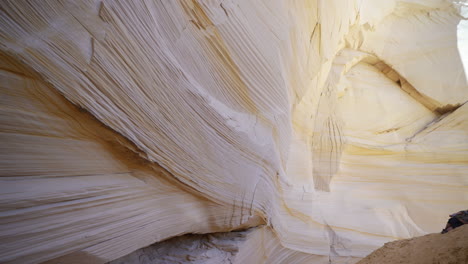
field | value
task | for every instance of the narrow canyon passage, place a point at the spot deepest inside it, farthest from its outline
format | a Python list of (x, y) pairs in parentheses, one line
[(228, 131)]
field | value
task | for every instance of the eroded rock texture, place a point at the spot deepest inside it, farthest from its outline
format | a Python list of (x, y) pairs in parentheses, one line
[(329, 127)]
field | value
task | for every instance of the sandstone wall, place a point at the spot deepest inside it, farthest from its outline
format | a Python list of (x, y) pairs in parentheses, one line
[(331, 126)]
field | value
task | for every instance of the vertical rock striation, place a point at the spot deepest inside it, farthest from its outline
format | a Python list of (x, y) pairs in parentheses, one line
[(328, 127)]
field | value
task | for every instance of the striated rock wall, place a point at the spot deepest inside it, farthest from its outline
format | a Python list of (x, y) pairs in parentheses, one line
[(331, 126)]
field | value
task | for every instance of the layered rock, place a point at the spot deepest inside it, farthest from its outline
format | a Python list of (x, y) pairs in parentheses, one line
[(336, 125)]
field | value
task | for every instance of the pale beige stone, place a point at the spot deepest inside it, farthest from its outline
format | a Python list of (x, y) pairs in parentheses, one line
[(336, 125)]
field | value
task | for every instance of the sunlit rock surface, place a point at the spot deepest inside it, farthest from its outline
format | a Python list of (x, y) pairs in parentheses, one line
[(327, 127), (451, 247)]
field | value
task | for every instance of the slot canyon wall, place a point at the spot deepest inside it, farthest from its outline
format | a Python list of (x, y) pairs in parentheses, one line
[(315, 130)]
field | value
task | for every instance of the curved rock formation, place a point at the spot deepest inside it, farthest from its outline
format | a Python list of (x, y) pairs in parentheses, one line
[(329, 127)]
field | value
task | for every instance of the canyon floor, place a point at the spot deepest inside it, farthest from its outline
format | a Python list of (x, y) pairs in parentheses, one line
[(449, 248)]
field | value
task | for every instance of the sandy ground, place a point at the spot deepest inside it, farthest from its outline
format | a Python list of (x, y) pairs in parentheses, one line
[(451, 247)]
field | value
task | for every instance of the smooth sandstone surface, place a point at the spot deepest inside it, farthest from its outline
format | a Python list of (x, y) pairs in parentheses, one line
[(316, 130)]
